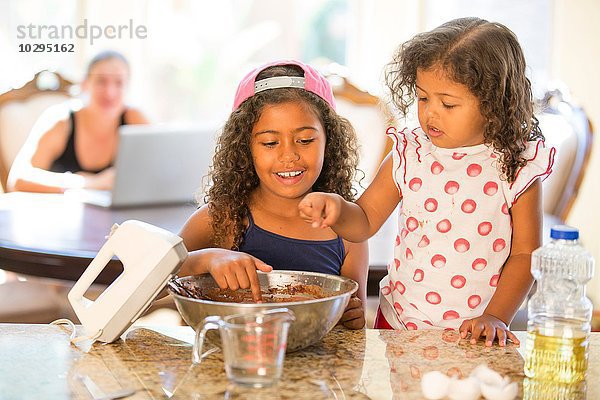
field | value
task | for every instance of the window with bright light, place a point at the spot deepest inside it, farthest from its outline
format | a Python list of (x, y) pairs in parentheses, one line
[(196, 52), (529, 20), (205, 48)]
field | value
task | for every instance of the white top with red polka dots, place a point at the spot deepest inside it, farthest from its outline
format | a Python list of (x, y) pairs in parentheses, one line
[(454, 229)]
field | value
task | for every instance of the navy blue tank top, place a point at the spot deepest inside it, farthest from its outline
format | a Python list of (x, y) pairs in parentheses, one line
[(280, 252), (67, 161)]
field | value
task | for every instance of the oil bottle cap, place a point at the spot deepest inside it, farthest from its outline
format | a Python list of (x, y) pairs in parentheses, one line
[(564, 232)]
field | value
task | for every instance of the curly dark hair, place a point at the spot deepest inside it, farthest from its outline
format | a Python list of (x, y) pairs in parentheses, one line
[(485, 57), (232, 177)]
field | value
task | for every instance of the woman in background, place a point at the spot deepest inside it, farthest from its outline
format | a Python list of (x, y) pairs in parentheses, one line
[(78, 151)]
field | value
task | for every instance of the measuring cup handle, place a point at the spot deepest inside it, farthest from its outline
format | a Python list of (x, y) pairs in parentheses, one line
[(213, 322)]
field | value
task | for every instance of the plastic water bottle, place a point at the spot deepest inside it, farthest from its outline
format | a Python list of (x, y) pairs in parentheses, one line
[(559, 312)]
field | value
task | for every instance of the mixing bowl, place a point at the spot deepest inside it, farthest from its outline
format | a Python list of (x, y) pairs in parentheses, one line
[(314, 317)]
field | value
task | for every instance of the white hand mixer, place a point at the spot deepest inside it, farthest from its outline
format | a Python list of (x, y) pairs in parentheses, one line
[(150, 256)]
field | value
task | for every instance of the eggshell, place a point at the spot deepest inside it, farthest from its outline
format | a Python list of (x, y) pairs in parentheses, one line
[(434, 385), (506, 392), (486, 375), (464, 389)]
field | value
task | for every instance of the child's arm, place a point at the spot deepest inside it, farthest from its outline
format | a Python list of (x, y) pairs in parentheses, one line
[(515, 279), (354, 221), (230, 269), (356, 267)]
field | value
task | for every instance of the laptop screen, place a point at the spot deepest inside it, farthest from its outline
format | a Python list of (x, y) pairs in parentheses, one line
[(161, 164)]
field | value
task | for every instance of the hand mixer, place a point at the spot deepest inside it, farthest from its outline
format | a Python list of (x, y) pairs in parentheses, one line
[(150, 256)]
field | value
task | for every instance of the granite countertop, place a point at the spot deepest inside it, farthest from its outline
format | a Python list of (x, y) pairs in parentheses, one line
[(37, 361)]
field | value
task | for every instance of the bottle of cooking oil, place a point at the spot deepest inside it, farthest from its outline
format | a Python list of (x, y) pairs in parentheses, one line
[(534, 389), (559, 312)]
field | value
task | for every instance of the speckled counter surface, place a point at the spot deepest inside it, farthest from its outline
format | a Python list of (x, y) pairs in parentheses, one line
[(36, 361)]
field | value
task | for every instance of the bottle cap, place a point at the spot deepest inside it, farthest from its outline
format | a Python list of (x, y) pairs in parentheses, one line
[(564, 232)]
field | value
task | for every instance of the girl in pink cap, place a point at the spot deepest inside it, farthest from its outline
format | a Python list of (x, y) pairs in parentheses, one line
[(467, 181), (282, 140)]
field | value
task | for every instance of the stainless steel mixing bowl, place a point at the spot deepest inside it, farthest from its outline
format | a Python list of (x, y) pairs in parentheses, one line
[(314, 318)]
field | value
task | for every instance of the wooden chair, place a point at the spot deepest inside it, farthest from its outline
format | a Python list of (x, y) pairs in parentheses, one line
[(370, 118), (21, 107), (566, 127), (24, 299)]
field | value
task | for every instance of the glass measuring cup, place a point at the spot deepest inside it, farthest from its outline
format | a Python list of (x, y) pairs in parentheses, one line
[(253, 344)]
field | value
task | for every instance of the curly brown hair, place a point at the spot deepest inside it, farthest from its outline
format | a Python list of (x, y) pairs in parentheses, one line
[(485, 57), (232, 177)]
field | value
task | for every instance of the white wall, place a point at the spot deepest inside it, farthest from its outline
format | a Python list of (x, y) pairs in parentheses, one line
[(576, 61), (379, 28)]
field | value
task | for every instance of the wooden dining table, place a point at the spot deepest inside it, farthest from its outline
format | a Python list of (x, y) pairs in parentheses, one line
[(57, 236)]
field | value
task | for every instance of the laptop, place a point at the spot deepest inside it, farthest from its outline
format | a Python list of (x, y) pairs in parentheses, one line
[(156, 164)]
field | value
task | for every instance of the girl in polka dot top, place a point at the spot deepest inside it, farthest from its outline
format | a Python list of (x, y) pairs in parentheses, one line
[(468, 181)]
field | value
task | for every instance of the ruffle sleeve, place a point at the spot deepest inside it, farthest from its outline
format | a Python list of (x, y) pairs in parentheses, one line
[(408, 144), (539, 165)]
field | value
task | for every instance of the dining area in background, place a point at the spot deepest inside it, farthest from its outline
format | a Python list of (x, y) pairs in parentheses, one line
[(50, 239), (55, 237)]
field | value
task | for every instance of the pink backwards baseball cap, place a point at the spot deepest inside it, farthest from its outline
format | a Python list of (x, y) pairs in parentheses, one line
[(312, 81)]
